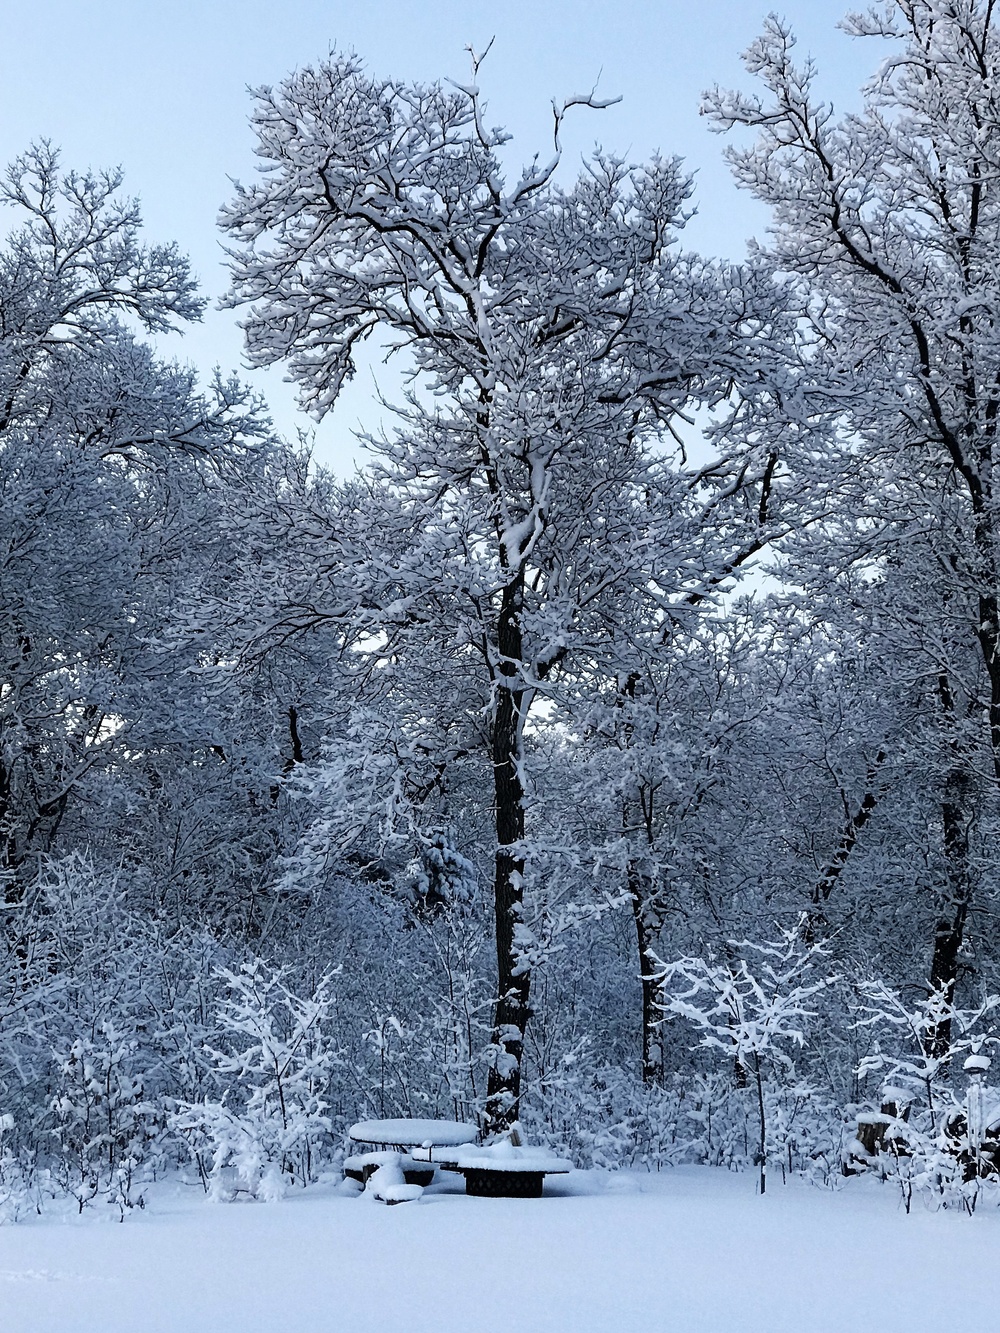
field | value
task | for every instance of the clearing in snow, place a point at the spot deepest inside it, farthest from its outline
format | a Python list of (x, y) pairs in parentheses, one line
[(693, 1250)]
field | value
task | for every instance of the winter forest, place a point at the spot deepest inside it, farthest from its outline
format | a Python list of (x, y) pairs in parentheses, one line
[(616, 753)]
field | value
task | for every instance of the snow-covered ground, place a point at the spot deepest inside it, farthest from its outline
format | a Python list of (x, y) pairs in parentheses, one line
[(693, 1250)]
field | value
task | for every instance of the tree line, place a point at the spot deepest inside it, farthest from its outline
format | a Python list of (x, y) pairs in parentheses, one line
[(645, 681)]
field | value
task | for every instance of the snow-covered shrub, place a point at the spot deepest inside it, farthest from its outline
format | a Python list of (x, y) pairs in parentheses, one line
[(746, 1016), (920, 1136), (920, 1061), (602, 1116), (18, 1176), (268, 1129), (104, 1017), (807, 1132), (104, 1125), (606, 1117)]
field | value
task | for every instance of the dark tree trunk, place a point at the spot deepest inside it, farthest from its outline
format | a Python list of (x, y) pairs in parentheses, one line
[(816, 922), (762, 1141), (503, 1089), (26, 835), (989, 642), (646, 909), (949, 932)]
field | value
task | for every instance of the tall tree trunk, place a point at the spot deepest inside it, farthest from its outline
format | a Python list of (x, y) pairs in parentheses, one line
[(762, 1115), (646, 909), (503, 1089), (949, 932), (647, 926), (989, 642), (26, 836)]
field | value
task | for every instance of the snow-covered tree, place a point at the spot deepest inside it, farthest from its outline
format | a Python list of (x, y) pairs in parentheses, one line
[(888, 221), (265, 1131), (553, 335), (108, 465)]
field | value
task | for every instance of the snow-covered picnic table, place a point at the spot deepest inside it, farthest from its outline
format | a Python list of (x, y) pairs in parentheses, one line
[(432, 1143), (502, 1170)]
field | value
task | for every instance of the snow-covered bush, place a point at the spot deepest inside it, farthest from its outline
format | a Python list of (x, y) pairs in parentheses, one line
[(607, 1118), (920, 1131), (17, 1176), (745, 1016), (602, 1116), (268, 1129), (104, 1125)]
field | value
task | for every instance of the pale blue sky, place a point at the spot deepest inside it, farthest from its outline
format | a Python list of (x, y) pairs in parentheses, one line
[(161, 90)]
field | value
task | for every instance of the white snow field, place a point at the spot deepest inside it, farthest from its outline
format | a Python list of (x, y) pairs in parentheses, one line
[(692, 1250)]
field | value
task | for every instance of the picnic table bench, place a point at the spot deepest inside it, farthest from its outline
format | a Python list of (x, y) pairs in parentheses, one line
[(508, 1171)]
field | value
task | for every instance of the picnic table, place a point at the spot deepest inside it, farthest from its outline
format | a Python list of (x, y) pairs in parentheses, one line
[(502, 1170), (390, 1137)]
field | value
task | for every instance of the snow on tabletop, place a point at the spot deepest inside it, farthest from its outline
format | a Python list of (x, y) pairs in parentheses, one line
[(434, 1133), (505, 1156)]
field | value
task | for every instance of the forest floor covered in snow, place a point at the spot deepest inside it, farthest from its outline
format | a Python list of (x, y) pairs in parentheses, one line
[(692, 1249)]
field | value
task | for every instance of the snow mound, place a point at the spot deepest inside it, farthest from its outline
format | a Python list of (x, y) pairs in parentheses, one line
[(388, 1184), (401, 1193)]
